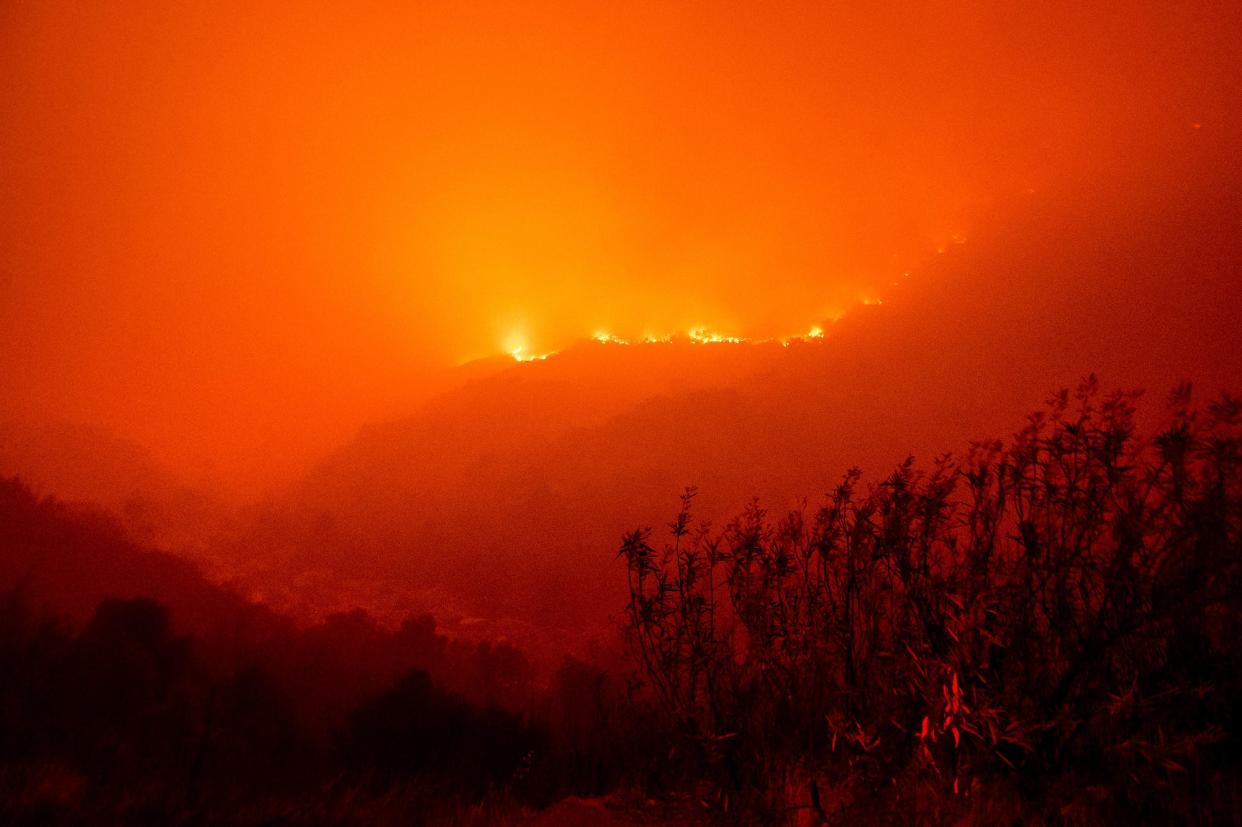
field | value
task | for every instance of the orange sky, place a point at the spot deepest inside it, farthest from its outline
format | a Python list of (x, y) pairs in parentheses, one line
[(234, 234)]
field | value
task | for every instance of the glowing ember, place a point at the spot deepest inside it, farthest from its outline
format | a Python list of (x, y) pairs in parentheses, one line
[(519, 356), (706, 336), (703, 336)]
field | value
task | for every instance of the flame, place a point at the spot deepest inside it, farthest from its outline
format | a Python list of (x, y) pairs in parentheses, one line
[(703, 336), (696, 335), (518, 356)]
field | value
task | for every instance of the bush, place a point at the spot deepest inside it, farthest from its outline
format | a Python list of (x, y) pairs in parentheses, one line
[(1055, 616)]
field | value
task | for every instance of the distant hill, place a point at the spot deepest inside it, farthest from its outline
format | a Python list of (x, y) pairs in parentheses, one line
[(66, 558), (505, 497), (79, 463)]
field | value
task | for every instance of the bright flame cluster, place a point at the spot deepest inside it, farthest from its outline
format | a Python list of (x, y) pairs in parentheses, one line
[(703, 336), (706, 336), (696, 335), (519, 356)]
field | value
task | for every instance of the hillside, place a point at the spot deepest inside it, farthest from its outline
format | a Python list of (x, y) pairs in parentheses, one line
[(505, 497)]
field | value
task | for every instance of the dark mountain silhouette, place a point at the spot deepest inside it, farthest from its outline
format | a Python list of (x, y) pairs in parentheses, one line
[(69, 557)]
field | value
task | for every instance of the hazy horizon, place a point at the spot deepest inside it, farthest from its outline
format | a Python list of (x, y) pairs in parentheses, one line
[(234, 236)]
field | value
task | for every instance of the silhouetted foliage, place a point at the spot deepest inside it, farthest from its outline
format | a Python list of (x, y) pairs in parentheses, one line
[(1044, 629), (416, 728), (1057, 615), (120, 715), (123, 720)]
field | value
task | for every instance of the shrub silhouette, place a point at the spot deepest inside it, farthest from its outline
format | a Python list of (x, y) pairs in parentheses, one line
[(1043, 629), (415, 727), (1059, 611), (125, 720)]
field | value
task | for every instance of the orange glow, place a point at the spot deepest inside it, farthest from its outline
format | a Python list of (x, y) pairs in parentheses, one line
[(519, 356), (221, 215), (353, 357)]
